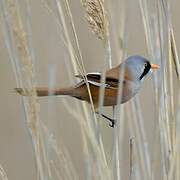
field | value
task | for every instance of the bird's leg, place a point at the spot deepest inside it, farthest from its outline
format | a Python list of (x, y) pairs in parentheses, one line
[(113, 121)]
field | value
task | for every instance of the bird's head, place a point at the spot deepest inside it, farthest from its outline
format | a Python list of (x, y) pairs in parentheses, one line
[(137, 67)]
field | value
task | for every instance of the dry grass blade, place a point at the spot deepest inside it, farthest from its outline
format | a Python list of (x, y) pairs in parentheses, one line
[(96, 17)]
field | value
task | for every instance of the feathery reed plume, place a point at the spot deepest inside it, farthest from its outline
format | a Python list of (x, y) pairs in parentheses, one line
[(21, 54), (96, 17)]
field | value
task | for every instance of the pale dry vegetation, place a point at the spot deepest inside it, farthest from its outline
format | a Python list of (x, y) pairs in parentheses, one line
[(54, 162)]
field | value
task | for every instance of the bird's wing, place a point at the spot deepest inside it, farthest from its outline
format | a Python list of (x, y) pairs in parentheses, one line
[(115, 73), (94, 76), (95, 79)]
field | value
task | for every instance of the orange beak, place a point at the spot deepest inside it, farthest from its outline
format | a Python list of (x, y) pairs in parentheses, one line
[(154, 66)]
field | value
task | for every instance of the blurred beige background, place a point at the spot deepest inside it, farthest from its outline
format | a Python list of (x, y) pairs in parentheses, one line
[(16, 152)]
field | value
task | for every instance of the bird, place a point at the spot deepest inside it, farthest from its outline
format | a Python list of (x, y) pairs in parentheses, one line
[(134, 69)]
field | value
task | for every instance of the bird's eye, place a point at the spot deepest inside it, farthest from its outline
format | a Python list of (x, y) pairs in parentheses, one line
[(145, 65)]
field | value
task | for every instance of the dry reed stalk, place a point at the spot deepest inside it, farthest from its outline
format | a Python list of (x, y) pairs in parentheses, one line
[(171, 100), (3, 173), (166, 105), (61, 163), (146, 18), (144, 139), (77, 61), (59, 5), (131, 155), (99, 140), (97, 19), (138, 162), (88, 131), (164, 115), (174, 161), (60, 21), (174, 120), (119, 130), (119, 113), (80, 58), (175, 54), (141, 147), (118, 134), (21, 54), (23, 61)]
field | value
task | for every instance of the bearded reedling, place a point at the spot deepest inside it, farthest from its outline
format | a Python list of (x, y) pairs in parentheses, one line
[(135, 69)]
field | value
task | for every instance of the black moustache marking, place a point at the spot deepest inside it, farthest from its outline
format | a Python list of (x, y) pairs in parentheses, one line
[(146, 70)]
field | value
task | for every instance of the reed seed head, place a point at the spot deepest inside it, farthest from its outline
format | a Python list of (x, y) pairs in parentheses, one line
[(96, 17)]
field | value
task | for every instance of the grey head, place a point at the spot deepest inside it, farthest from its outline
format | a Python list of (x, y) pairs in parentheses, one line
[(137, 67)]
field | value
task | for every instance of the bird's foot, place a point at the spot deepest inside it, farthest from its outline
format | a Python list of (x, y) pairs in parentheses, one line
[(112, 121), (21, 91)]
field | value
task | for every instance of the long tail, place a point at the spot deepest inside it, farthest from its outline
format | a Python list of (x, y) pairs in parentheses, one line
[(46, 92)]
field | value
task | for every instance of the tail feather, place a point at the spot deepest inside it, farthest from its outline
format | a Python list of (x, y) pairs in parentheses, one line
[(46, 92)]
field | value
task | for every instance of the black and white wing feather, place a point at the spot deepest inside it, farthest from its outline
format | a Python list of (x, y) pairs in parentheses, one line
[(95, 79)]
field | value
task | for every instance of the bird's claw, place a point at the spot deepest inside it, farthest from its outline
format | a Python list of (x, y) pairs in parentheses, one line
[(112, 121), (112, 124), (21, 91)]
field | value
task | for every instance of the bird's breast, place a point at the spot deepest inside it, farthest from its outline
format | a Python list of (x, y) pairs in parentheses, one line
[(130, 89)]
